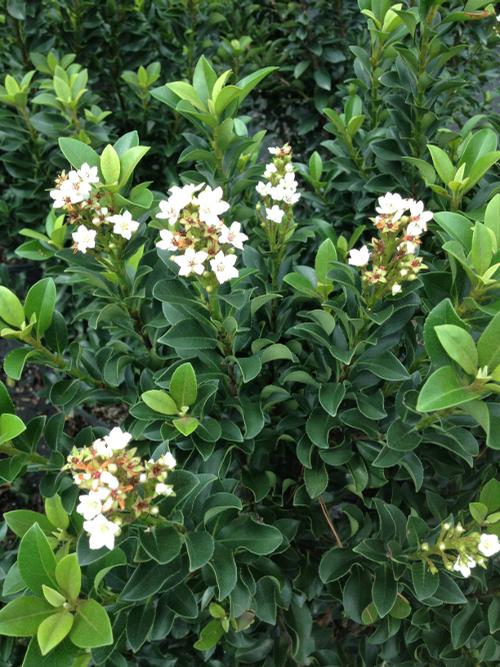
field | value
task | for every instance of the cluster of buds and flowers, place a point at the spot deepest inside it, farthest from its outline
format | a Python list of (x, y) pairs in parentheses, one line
[(461, 551), (80, 194), (393, 255), (203, 245), (120, 485), (279, 191)]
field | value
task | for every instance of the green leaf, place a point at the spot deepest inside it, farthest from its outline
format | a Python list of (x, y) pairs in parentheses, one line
[(331, 396), (69, 576), (492, 217), (62, 656), (52, 596), (36, 560), (110, 165), (91, 627), (183, 385), (129, 161), (385, 366), (20, 521), (186, 92), (250, 535), (162, 543), (160, 401), (55, 512), (224, 569), (322, 264), (15, 361), (200, 548), (384, 590), (482, 248), (459, 346), (210, 635), (490, 495), (488, 347), (424, 582), (77, 153), (442, 164), (248, 83), (464, 623), (11, 310), (442, 390), (10, 427), (53, 630), (22, 616), (186, 425), (335, 564), (41, 301)]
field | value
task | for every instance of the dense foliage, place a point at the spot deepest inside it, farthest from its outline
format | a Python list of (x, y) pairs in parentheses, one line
[(288, 362)]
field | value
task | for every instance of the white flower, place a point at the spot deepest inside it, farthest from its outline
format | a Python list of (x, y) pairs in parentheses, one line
[(464, 564), (211, 205), (191, 262), (101, 532), (392, 204), (396, 289), (275, 214), (418, 214), (274, 150), (102, 448), (291, 197), (233, 235), (88, 174), (223, 267), (359, 257), (117, 439), (263, 189), (167, 240), (84, 238), (143, 478), (168, 211), (162, 489), (123, 225), (409, 248), (168, 460), (90, 505), (110, 480), (270, 169), (489, 544)]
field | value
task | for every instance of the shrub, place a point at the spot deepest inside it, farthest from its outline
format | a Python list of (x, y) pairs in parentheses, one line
[(302, 464)]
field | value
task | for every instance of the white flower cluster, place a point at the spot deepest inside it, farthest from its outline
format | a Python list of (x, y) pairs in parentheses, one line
[(280, 191), (203, 244), (400, 222), (488, 546), (80, 195), (119, 485)]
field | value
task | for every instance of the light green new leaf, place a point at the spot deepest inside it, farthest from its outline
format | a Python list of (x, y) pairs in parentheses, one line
[(324, 257), (488, 345), (11, 310), (10, 427), (69, 576), (41, 301), (53, 630), (159, 401), (442, 163), (183, 385), (91, 627), (459, 346), (443, 389), (110, 165)]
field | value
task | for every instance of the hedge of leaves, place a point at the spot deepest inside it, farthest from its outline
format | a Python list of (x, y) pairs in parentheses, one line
[(301, 358)]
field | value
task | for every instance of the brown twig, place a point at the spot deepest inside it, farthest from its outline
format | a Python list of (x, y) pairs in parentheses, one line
[(330, 523)]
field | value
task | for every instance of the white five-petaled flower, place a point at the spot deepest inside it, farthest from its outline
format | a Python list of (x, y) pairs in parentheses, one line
[(110, 480), (275, 214), (191, 262), (101, 532), (117, 439), (464, 565), (88, 174), (84, 238), (233, 235), (211, 205), (168, 459), (396, 289), (489, 544), (167, 240), (223, 267), (162, 489), (418, 215), (90, 505), (359, 257), (392, 204), (123, 225), (102, 448)]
